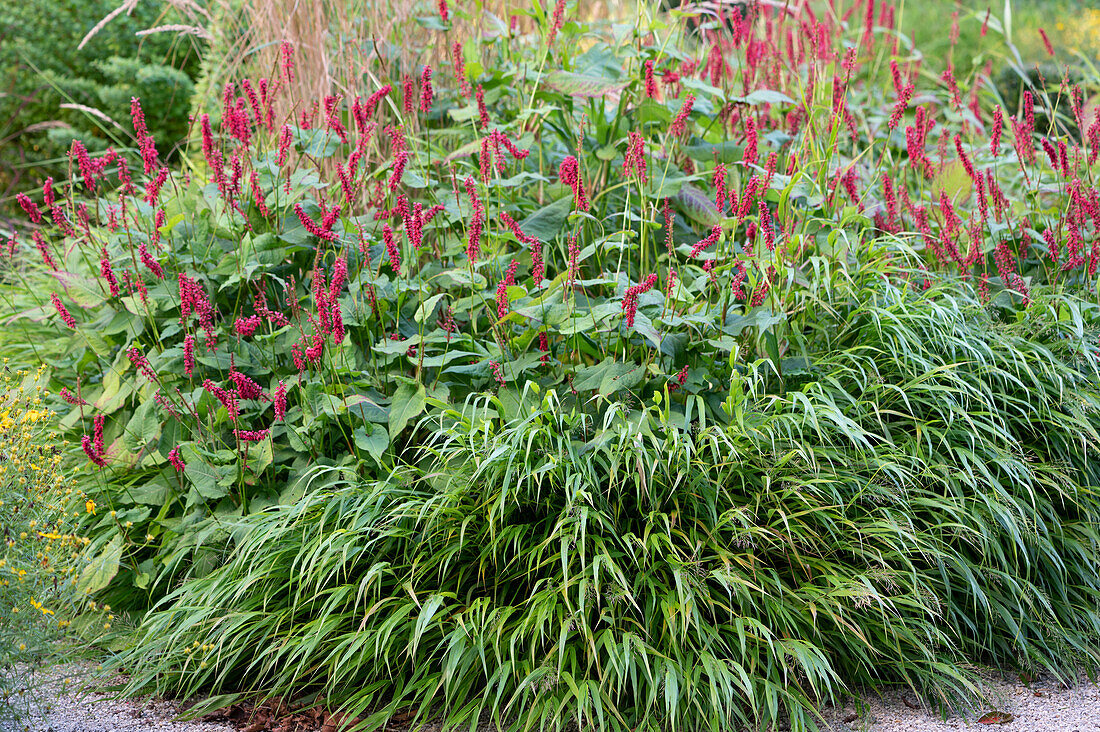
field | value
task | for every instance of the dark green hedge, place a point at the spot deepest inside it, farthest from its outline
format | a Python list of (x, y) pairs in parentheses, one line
[(41, 69)]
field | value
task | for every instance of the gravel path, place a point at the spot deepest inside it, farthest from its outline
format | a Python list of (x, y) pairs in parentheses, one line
[(1043, 706), (58, 705)]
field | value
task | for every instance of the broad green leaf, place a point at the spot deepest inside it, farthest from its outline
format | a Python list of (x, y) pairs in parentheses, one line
[(758, 317), (546, 223), (427, 308), (203, 477), (727, 151), (371, 438), (608, 376), (101, 570), (143, 427), (697, 205), (408, 402), (764, 96)]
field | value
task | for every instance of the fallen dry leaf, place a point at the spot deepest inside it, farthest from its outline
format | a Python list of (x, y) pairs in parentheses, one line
[(995, 718)]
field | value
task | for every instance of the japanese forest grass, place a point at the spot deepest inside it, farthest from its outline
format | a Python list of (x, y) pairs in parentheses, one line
[(919, 500)]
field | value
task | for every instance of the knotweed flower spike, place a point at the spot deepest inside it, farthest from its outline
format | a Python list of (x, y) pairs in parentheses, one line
[(630, 298), (569, 174), (426, 90), (66, 318)]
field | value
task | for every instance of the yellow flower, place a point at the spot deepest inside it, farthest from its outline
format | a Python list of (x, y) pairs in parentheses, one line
[(90, 505)]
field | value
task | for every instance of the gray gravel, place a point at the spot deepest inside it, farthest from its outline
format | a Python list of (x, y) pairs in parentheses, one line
[(65, 701), (1043, 706)]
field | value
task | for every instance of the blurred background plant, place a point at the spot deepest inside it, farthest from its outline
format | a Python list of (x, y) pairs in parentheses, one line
[(66, 75)]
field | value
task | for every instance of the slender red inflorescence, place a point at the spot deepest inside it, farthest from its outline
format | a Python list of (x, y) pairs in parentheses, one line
[(141, 363), (458, 60), (710, 240), (473, 236), (498, 372), (108, 273), (650, 82), (408, 97), (556, 22), (321, 232), (902, 104), (93, 446), (426, 90), (286, 54), (569, 174), (71, 398), (482, 111), (278, 399), (391, 249), (679, 122), (1046, 42), (227, 398), (29, 207), (630, 298), (150, 262), (634, 160), (66, 317), (188, 355)]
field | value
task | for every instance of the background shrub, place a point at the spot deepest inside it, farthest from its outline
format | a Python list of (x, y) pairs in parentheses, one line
[(41, 69)]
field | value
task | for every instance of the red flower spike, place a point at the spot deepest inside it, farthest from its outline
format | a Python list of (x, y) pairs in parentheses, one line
[(679, 122), (426, 90), (188, 355), (66, 317), (630, 298)]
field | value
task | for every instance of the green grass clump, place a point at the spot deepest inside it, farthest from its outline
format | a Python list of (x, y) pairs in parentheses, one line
[(908, 505)]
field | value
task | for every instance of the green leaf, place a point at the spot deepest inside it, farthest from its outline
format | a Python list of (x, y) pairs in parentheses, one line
[(372, 439), (546, 223), (727, 151), (764, 96), (697, 205), (203, 477), (608, 376), (427, 308), (408, 402), (757, 317), (143, 427), (101, 570), (260, 455)]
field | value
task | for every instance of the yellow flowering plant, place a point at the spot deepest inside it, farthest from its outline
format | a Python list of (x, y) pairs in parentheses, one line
[(40, 556)]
